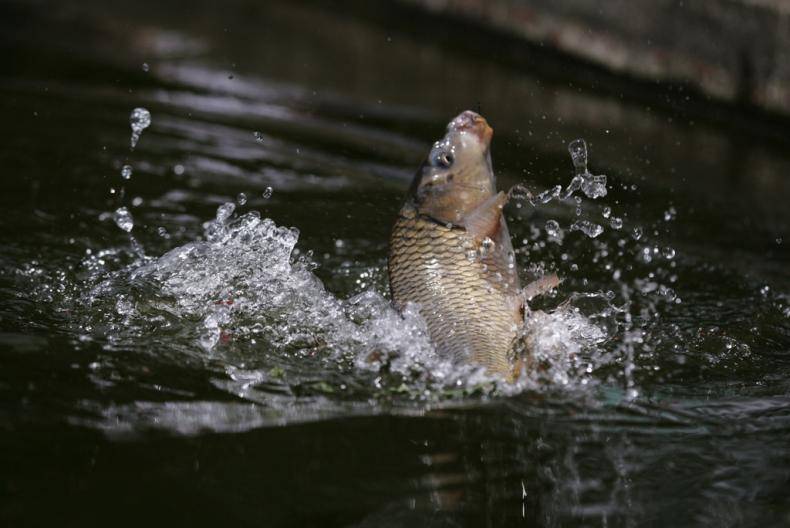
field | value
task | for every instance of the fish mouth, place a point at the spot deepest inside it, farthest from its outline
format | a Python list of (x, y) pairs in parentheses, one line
[(473, 123)]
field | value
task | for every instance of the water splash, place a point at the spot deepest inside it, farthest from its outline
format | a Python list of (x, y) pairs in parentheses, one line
[(139, 120), (593, 186)]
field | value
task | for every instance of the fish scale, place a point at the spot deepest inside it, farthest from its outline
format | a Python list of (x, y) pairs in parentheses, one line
[(466, 302)]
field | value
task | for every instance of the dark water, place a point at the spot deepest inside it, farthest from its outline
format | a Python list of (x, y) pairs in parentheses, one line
[(237, 381)]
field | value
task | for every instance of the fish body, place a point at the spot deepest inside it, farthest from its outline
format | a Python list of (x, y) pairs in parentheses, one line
[(451, 254)]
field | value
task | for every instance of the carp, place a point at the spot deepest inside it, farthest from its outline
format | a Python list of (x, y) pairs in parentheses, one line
[(450, 253)]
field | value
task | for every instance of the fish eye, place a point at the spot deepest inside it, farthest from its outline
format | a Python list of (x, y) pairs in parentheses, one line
[(443, 159)]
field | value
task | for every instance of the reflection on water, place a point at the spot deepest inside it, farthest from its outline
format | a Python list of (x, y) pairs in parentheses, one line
[(167, 340)]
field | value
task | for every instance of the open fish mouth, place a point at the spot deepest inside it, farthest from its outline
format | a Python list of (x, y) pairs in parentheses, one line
[(472, 122)]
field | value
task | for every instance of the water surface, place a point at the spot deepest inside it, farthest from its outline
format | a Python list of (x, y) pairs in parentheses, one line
[(233, 356)]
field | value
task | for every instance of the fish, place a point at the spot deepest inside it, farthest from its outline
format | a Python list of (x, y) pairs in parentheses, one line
[(450, 253)]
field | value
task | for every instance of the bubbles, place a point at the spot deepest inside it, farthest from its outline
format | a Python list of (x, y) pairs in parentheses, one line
[(241, 199), (123, 219), (590, 229), (668, 253), (267, 193), (607, 211), (637, 233), (139, 119), (616, 223), (126, 172)]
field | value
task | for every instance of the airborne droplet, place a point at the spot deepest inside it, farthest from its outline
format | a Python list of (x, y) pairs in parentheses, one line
[(578, 150), (123, 219), (139, 120), (552, 228), (590, 229)]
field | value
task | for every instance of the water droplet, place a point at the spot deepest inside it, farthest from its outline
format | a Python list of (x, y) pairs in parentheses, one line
[(267, 193), (637, 234), (616, 223), (607, 211), (486, 246), (573, 186), (520, 192), (123, 219), (578, 151), (241, 199), (670, 214), (546, 196), (590, 229), (224, 211), (667, 292), (140, 119), (137, 201), (178, 170), (258, 136), (552, 228), (146, 67), (126, 172), (594, 186), (668, 253)]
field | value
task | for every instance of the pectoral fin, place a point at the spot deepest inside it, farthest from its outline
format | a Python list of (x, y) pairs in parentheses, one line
[(484, 221), (541, 286)]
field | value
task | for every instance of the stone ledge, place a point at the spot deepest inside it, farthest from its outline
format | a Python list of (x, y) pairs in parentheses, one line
[(733, 51)]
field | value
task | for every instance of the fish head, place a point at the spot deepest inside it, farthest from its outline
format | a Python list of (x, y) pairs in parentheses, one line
[(457, 174)]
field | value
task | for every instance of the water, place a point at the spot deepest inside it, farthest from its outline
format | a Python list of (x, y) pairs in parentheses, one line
[(213, 340)]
